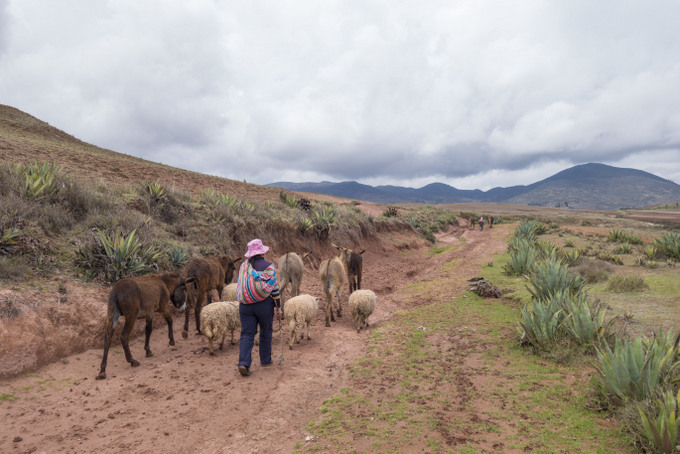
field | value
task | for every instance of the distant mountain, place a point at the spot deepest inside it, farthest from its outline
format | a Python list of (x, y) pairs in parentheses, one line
[(586, 186)]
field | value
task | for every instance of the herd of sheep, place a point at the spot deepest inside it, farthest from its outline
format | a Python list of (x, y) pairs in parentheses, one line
[(138, 297)]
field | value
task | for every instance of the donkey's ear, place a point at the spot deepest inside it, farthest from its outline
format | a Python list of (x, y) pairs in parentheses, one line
[(192, 281), (335, 246), (362, 251)]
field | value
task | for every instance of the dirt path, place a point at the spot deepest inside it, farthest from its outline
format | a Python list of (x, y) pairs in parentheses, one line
[(183, 400)]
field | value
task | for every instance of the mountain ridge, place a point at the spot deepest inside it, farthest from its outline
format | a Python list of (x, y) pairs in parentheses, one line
[(584, 186)]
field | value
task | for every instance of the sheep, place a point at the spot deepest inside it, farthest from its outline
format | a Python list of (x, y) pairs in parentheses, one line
[(139, 297), (361, 305), (210, 273), (229, 293), (300, 310), (332, 273), (291, 269), (354, 264), (217, 318)]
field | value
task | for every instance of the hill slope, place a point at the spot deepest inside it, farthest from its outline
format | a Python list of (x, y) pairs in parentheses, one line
[(587, 186), (24, 138)]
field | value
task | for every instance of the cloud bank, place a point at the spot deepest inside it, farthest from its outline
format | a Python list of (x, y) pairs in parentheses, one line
[(476, 94)]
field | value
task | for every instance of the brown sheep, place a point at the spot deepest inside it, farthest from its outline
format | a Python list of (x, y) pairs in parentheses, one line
[(210, 273), (332, 273), (354, 264), (291, 268), (139, 297)]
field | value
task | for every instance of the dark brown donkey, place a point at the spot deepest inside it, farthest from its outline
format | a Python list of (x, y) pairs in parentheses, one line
[(353, 264), (139, 297), (210, 273)]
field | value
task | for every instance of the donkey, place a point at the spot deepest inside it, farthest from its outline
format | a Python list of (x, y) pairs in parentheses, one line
[(354, 265), (210, 273), (139, 297)]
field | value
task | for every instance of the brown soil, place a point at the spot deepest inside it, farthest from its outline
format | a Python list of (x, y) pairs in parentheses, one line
[(182, 399)]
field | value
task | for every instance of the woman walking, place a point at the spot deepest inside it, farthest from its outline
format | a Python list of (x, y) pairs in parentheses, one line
[(258, 295)]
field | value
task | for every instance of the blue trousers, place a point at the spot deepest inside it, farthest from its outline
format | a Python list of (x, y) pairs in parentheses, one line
[(251, 315)]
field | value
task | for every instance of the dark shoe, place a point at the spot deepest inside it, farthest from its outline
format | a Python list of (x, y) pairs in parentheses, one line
[(243, 370), (267, 364)]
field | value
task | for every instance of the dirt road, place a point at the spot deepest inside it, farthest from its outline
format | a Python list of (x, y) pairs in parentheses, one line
[(183, 400)]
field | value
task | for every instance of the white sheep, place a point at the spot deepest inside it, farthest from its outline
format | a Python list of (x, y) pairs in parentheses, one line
[(300, 310), (229, 293), (361, 305), (217, 318)]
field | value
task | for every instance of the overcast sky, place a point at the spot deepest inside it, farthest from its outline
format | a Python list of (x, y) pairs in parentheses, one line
[(476, 94)]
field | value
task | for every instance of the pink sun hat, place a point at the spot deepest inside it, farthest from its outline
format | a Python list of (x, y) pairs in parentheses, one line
[(255, 247)]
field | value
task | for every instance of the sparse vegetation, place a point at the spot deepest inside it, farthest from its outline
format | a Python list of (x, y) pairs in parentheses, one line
[(621, 284)]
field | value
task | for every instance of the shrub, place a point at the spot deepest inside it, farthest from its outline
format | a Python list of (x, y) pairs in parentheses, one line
[(568, 243), (391, 212), (607, 257), (10, 308), (625, 284), (288, 200)]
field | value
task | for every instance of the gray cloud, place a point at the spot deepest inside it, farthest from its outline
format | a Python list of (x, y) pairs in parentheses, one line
[(406, 93)]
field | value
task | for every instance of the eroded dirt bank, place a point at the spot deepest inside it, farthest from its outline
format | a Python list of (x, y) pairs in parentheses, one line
[(183, 400)]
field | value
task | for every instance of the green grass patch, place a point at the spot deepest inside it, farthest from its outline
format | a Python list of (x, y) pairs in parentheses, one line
[(7, 397), (451, 374)]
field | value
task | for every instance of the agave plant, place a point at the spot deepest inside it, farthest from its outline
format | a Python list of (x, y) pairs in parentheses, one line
[(125, 255), (549, 277), (539, 324), (40, 180), (616, 236), (178, 256), (625, 248), (322, 220), (635, 369), (305, 224), (547, 250), (154, 190), (569, 257), (116, 255), (8, 240), (522, 257), (669, 245), (528, 230), (584, 322), (661, 430)]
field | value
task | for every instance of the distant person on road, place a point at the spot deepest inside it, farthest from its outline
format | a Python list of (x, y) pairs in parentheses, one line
[(490, 221), (481, 223), (257, 291)]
